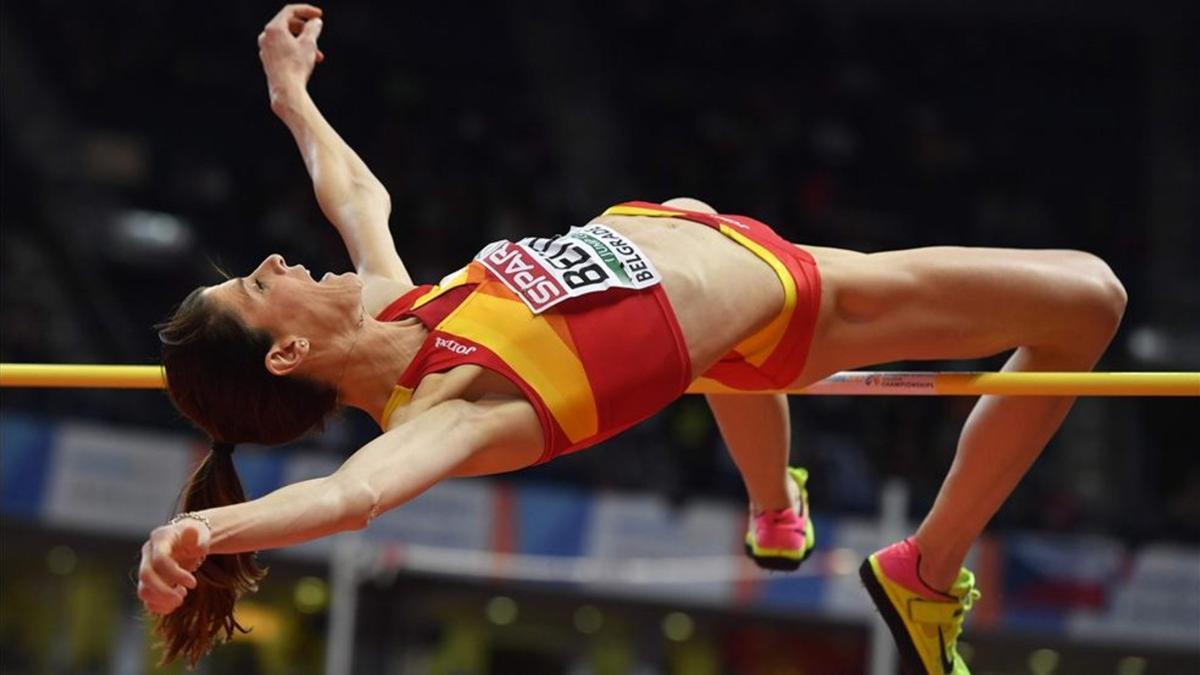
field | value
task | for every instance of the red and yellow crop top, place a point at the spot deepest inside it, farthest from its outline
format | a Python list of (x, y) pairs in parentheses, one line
[(579, 322)]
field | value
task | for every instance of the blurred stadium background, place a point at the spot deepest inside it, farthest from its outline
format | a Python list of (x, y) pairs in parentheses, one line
[(137, 150)]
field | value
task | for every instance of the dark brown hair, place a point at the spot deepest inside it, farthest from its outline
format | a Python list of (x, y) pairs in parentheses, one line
[(217, 377)]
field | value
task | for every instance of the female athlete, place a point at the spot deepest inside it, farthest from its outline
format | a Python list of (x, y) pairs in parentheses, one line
[(542, 347)]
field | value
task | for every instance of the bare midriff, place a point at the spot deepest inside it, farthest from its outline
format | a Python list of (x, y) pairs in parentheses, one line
[(720, 291)]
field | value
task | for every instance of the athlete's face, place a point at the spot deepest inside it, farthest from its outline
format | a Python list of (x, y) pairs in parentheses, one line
[(288, 303)]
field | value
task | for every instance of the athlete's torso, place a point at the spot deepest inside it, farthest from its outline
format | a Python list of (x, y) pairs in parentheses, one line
[(718, 292)]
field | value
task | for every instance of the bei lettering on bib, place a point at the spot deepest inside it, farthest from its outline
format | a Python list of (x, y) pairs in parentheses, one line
[(544, 271)]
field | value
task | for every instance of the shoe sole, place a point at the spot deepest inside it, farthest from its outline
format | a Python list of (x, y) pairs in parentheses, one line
[(910, 660), (777, 563)]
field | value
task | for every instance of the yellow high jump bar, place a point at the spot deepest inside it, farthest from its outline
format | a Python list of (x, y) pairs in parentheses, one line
[(847, 383)]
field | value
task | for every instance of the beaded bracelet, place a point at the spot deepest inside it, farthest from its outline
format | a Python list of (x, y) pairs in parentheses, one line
[(191, 515)]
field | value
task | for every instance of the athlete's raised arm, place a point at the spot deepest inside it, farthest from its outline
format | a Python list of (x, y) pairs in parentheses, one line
[(351, 197)]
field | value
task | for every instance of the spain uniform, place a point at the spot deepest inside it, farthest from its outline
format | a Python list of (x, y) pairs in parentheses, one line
[(582, 325)]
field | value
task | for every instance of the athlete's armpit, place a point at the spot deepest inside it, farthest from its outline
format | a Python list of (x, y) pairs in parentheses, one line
[(514, 438)]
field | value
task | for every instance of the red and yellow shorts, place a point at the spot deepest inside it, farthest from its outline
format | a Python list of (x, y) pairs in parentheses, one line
[(773, 357)]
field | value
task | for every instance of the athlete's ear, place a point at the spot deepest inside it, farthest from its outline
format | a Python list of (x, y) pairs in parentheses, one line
[(286, 354)]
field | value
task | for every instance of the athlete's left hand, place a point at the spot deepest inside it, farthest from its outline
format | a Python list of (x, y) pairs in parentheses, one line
[(288, 49)]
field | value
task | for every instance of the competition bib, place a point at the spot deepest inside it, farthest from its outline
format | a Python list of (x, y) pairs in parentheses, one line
[(544, 271)]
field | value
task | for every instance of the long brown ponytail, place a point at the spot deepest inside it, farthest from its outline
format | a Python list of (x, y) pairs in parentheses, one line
[(207, 611), (217, 378)]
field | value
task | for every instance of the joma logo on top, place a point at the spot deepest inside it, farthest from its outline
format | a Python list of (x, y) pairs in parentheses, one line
[(453, 345)]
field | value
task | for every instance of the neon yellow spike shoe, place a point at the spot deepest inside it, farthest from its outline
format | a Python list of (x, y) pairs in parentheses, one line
[(782, 539), (925, 623)]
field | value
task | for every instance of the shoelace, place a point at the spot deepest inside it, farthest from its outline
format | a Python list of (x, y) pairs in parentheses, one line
[(946, 614), (966, 602), (969, 598)]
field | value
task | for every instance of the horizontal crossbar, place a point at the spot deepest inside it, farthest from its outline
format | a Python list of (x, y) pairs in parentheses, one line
[(848, 383)]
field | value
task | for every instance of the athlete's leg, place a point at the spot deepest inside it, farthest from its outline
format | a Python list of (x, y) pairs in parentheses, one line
[(689, 204), (1058, 309), (755, 428)]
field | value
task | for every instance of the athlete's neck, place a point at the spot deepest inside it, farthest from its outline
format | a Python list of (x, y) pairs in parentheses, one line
[(380, 356)]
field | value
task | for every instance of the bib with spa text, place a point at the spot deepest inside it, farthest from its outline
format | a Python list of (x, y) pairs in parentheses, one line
[(544, 271)]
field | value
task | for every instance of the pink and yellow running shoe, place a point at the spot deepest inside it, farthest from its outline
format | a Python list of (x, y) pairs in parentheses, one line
[(924, 622), (782, 539)]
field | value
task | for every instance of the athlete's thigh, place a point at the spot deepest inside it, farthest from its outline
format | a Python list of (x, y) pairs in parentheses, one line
[(941, 303), (690, 204)]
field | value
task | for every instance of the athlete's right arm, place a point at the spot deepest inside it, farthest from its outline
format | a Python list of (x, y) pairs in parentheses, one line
[(454, 437), (351, 197)]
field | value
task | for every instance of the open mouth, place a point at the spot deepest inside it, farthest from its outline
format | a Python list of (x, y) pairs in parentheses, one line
[(344, 275)]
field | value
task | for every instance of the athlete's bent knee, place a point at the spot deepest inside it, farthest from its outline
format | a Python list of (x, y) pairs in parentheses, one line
[(1103, 297)]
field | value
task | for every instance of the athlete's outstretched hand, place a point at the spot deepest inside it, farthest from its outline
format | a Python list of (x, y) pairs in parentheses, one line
[(169, 557), (288, 48)]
